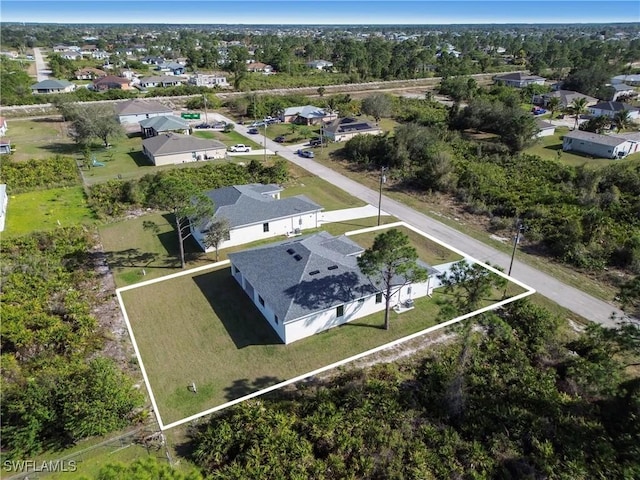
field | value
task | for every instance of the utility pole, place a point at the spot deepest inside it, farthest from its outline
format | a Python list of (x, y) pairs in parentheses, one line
[(265, 142), (383, 179), (519, 230), (206, 116)]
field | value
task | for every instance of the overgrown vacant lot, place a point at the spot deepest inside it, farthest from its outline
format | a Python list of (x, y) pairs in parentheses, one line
[(202, 328), (46, 209)]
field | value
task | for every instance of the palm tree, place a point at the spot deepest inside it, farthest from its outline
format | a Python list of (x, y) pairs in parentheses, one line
[(621, 120), (553, 104), (577, 108)]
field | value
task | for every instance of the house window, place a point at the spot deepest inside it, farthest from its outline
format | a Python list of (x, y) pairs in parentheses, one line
[(265, 227), (276, 319), (227, 236), (340, 311), (379, 297), (261, 300), (236, 269)]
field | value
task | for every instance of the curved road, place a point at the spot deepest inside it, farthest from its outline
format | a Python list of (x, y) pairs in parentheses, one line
[(568, 297)]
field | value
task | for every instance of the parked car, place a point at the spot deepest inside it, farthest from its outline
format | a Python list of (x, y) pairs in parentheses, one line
[(257, 124), (219, 125), (240, 148), (315, 142), (279, 139), (306, 153), (253, 131), (203, 125), (538, 111)]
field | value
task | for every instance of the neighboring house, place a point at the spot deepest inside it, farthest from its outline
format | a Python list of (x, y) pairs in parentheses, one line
[(171, 67), (545, 129), (133, 111), (307, 115), (633, 80), (319, 64), (3, 126), (213, 80), (259, 67), (173, 148), (600, 146), (71, 55), (519, 80), (151, 60), (161, 81), (100, 55), (622, 90), (566, 98), (89, 73), (111, 82), (5, 146), (152, 127), (4, 200), (609, 109), (52, 85), (311, 284), (343, 129), (257, 212)]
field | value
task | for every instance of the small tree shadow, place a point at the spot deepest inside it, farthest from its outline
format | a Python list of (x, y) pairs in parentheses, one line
[(244, 386)]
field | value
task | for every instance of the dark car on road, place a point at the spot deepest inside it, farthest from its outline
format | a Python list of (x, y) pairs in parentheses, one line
[(253, 131), (306, 153), (203, 125), (315, 142), (279, 139)]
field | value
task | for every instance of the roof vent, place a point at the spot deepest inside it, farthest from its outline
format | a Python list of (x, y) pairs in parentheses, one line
[(333, 267), (290, 251), (315, 272), (297, 257)]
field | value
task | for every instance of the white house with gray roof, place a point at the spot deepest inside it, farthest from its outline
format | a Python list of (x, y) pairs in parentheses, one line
[(600, 146), (311, 284), (307, 115), (173, 148), (256, 212), (133, 111)]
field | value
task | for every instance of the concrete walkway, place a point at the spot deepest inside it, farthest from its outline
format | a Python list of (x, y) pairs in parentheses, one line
[(349, 214), (42, 71), (564, 295)]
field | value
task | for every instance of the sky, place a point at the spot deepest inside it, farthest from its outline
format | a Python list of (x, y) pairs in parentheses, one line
[(319, 12)]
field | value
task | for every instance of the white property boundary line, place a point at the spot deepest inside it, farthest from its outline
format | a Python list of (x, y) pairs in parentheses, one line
[(528, 291)]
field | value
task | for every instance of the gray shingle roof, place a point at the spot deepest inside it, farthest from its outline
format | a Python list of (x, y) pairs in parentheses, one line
[(518, 76), (162, 79), (245, 205), (614, 106), (50, 84), (170, 143), (165, 123), (139, 107), (621, 87), (568, 96), (608, 140), (307, 111), (282, 274)]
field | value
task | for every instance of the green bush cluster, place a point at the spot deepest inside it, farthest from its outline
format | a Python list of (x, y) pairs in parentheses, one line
[(56, 388), (39, 174)]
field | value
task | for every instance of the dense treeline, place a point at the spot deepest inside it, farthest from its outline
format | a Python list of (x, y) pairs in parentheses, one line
[(39, 174), (115, 197), (511, 401), (585, 216), (55, 388)]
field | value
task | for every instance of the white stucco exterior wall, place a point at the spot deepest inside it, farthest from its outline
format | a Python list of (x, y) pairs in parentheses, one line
[(177, 158), (251, 233)]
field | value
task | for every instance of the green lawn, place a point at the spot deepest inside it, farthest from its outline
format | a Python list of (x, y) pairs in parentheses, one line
[(428, 251), (550, 148), (201, 328), (46, 209), (39, 138), (229, 139)]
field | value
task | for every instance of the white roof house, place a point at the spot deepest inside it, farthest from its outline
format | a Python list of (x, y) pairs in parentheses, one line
[(307, 114)]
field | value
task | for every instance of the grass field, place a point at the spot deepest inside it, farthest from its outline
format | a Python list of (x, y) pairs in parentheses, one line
[(550, 148), (40, 138), (46, 209), (229, 139), (428, 251), (201, 328)]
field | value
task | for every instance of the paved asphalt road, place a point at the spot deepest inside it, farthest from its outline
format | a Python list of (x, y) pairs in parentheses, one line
[(569, 297), (42, 71)]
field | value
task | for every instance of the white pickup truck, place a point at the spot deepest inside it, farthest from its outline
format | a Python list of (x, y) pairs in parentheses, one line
[(240, 148)]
